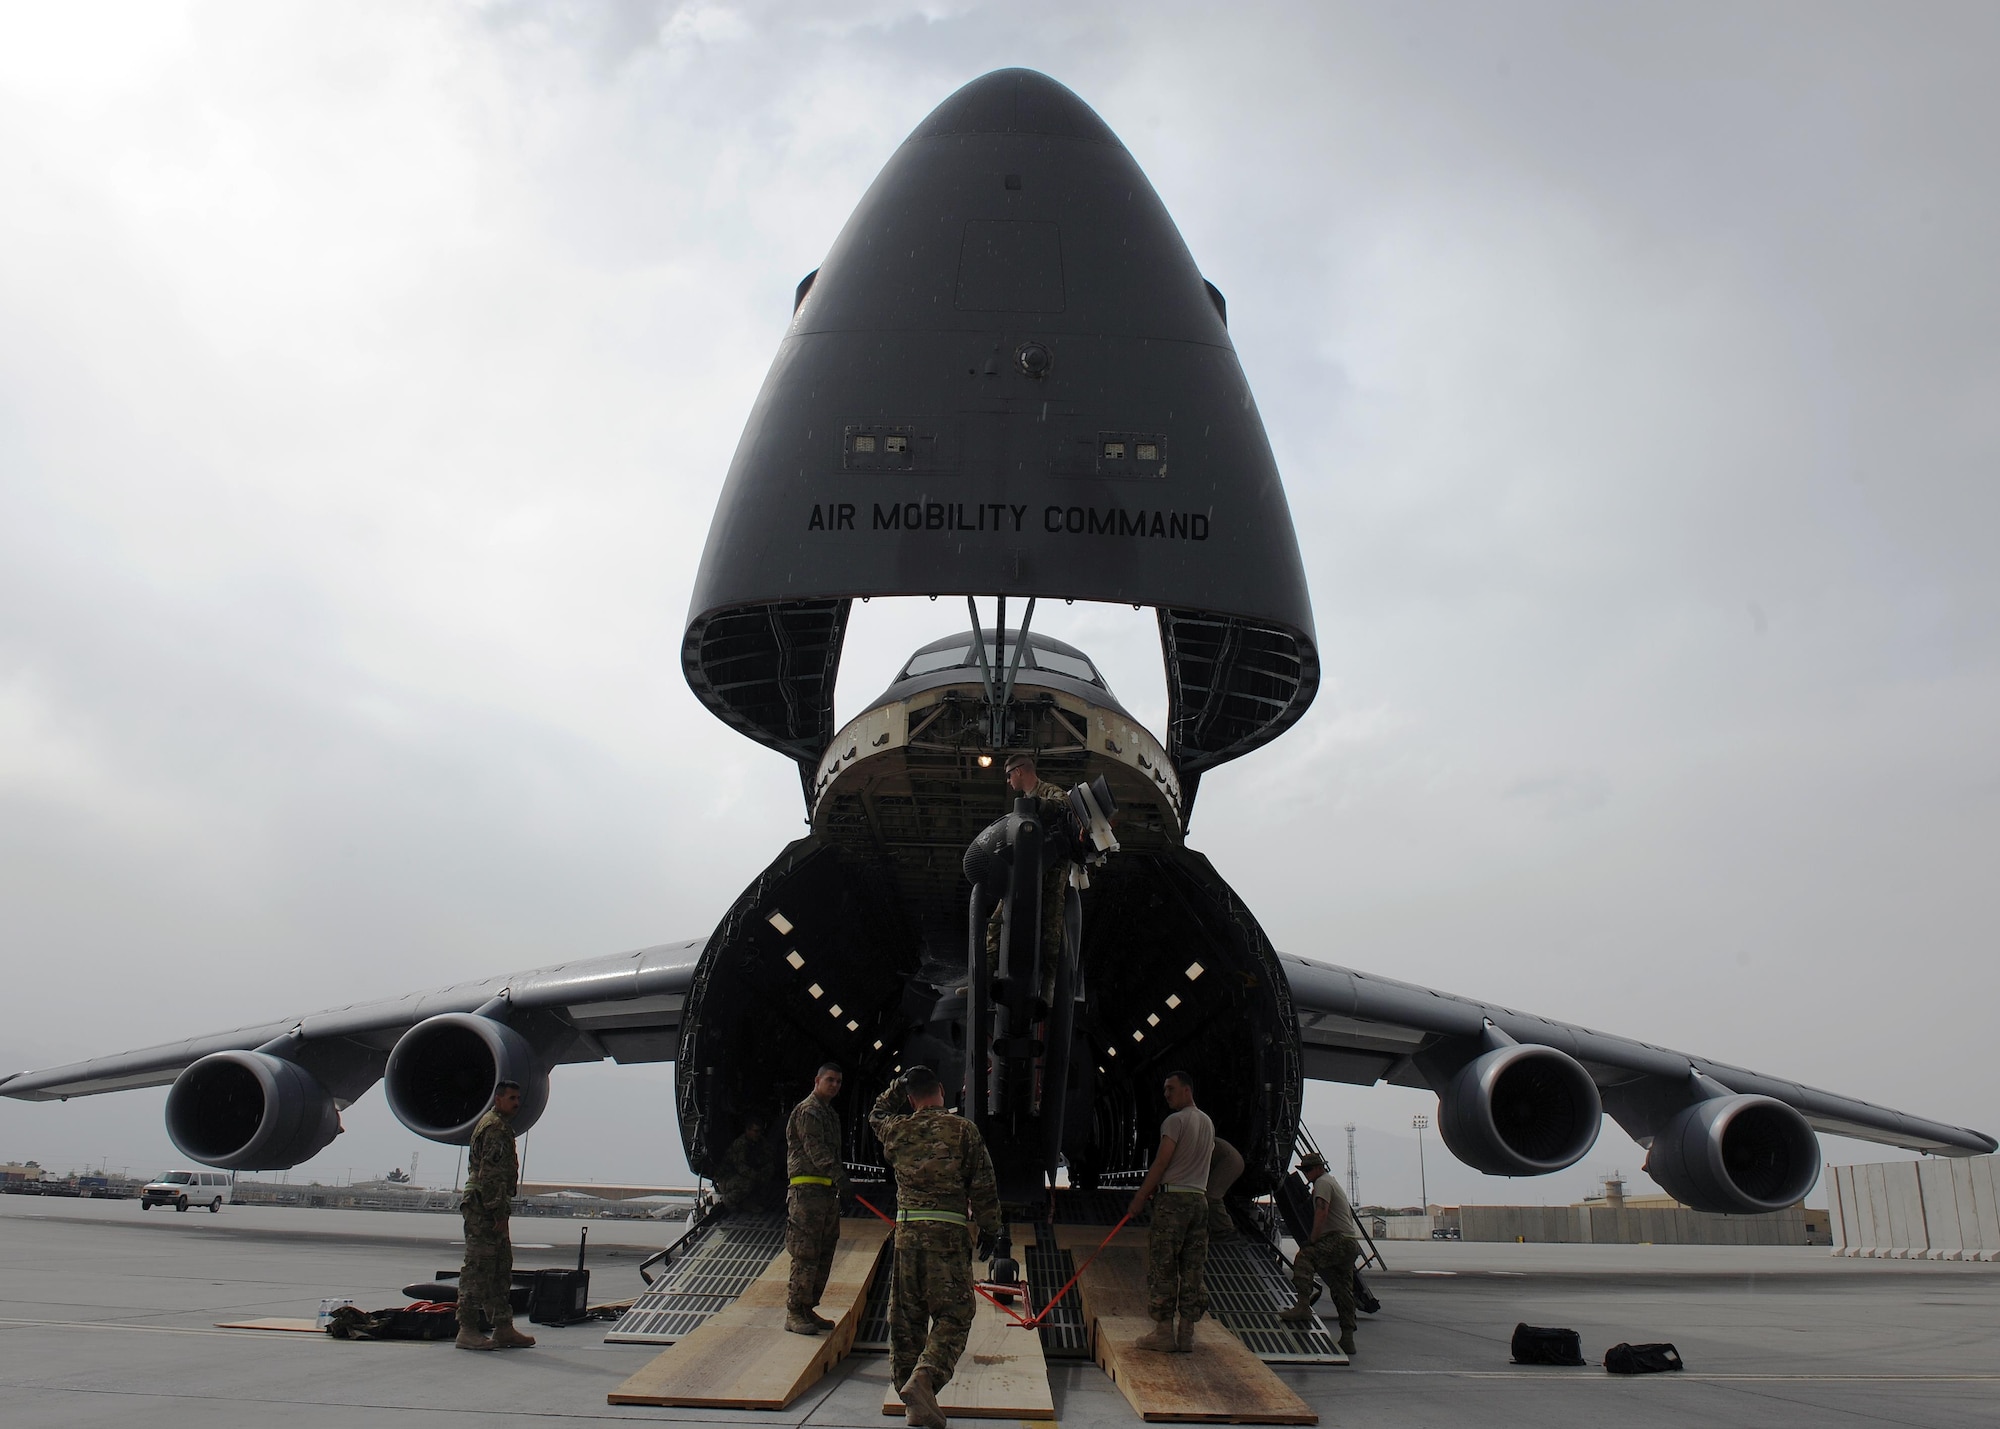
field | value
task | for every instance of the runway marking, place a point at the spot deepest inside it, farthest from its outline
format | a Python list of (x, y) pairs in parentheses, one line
[(150, 1329), (484, 1412), (1543, 1376)]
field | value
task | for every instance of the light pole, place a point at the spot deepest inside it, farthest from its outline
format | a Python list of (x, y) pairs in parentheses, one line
[(1420, 1121)]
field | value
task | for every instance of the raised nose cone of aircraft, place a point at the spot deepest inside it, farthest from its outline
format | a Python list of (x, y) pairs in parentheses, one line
[(1016, 101), (1007, 377)]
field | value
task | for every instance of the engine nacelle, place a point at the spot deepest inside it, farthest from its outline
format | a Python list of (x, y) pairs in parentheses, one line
[(1520, 1110), (250, 1111), (1740, 1155), (441, 1075)]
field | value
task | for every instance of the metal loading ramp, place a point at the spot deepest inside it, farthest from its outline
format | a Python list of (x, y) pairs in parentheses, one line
[(706, 1269), (1249, 1282)]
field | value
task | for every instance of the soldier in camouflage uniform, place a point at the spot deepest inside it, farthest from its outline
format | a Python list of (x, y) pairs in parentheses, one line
[(1023, 780), (1329, 1253), (943, 1172), (485, 1313), (1177, 1239), (743, 1180), (818, 1173)]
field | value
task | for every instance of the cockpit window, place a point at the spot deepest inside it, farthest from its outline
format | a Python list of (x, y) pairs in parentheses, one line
[(1057, 663), (929, 662), (933, 660)]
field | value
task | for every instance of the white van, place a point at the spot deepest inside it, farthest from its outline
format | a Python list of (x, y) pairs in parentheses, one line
[(181, 1189)]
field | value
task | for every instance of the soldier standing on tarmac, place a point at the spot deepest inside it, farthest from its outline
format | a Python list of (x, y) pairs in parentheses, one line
[(485, 1284), (1328, 1253), (1177, 1241), (818, 1173), (944, 1183)]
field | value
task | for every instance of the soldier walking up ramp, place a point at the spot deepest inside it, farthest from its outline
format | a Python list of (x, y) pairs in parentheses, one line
[(744, 1358), (1001, 1375), (1221, 1382)]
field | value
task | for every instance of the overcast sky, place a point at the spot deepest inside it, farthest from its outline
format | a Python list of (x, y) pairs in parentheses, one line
[(368, 374)]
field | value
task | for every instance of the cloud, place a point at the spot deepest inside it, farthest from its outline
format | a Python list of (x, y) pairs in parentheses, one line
[(366, 382)]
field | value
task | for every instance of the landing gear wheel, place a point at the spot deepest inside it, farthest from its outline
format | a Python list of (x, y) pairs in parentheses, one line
[(180, 1203), (215, 1206)]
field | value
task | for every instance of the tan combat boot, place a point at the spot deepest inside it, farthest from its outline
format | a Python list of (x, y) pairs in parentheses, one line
[(1347, 1343), (506, 1337), (798, 1324), (471, 1339), (1300, 1313), (824, 1323), (919, 1396), (1159, 1339), (1184, 1337)]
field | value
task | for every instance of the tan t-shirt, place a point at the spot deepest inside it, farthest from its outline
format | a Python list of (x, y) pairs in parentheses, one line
[(1194, 1144), (1339, 1214), (1225, 1169)]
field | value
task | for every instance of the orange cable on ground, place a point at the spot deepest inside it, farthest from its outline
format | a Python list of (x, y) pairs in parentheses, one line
[(1054, 1300)]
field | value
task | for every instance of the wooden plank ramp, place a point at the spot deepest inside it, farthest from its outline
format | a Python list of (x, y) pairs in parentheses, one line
[(744, 1358), (298, 1326), (1221, 1382), (1001, 1375)]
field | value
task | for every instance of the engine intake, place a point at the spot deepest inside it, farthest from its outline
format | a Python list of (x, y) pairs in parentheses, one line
[(250, 1111), (1520, 1110), (442, 1073), (1739, 1155)]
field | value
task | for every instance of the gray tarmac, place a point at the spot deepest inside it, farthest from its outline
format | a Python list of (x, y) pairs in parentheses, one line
[(107, 1316)]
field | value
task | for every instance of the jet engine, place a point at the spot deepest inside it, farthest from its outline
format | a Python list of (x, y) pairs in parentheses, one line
[(1520, 1110), (1738, 1155), (250, 1111), (441, 1075)]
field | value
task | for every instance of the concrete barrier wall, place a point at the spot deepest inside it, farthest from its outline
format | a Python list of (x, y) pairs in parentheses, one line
[(1936, 1209), (1630, 1225)]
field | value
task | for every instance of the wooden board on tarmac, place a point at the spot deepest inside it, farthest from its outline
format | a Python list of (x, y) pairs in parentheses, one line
[(306, 1326), (744, 1358), (1001, 1375), (1221, 1382)]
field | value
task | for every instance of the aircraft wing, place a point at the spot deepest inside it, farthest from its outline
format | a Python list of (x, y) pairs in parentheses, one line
[(626, 1006), (1360, 1028)]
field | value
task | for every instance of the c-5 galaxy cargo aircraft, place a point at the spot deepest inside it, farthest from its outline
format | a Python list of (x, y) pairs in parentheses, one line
[(1008, 379)]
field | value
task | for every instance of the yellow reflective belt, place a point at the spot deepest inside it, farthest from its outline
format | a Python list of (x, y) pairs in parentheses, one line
[(1190, 1190), (812, 1180), (950, 1217)]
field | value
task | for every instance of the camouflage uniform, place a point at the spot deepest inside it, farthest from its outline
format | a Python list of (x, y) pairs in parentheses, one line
[(492, 1177), (818, 1175), (1332, 1256), (744, 1176), (1177, 1256), (1054, 812), (942, 1169)]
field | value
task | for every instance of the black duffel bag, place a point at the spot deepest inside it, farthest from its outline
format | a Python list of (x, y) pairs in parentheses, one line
[(1642, 1359), (1535, 1344)]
